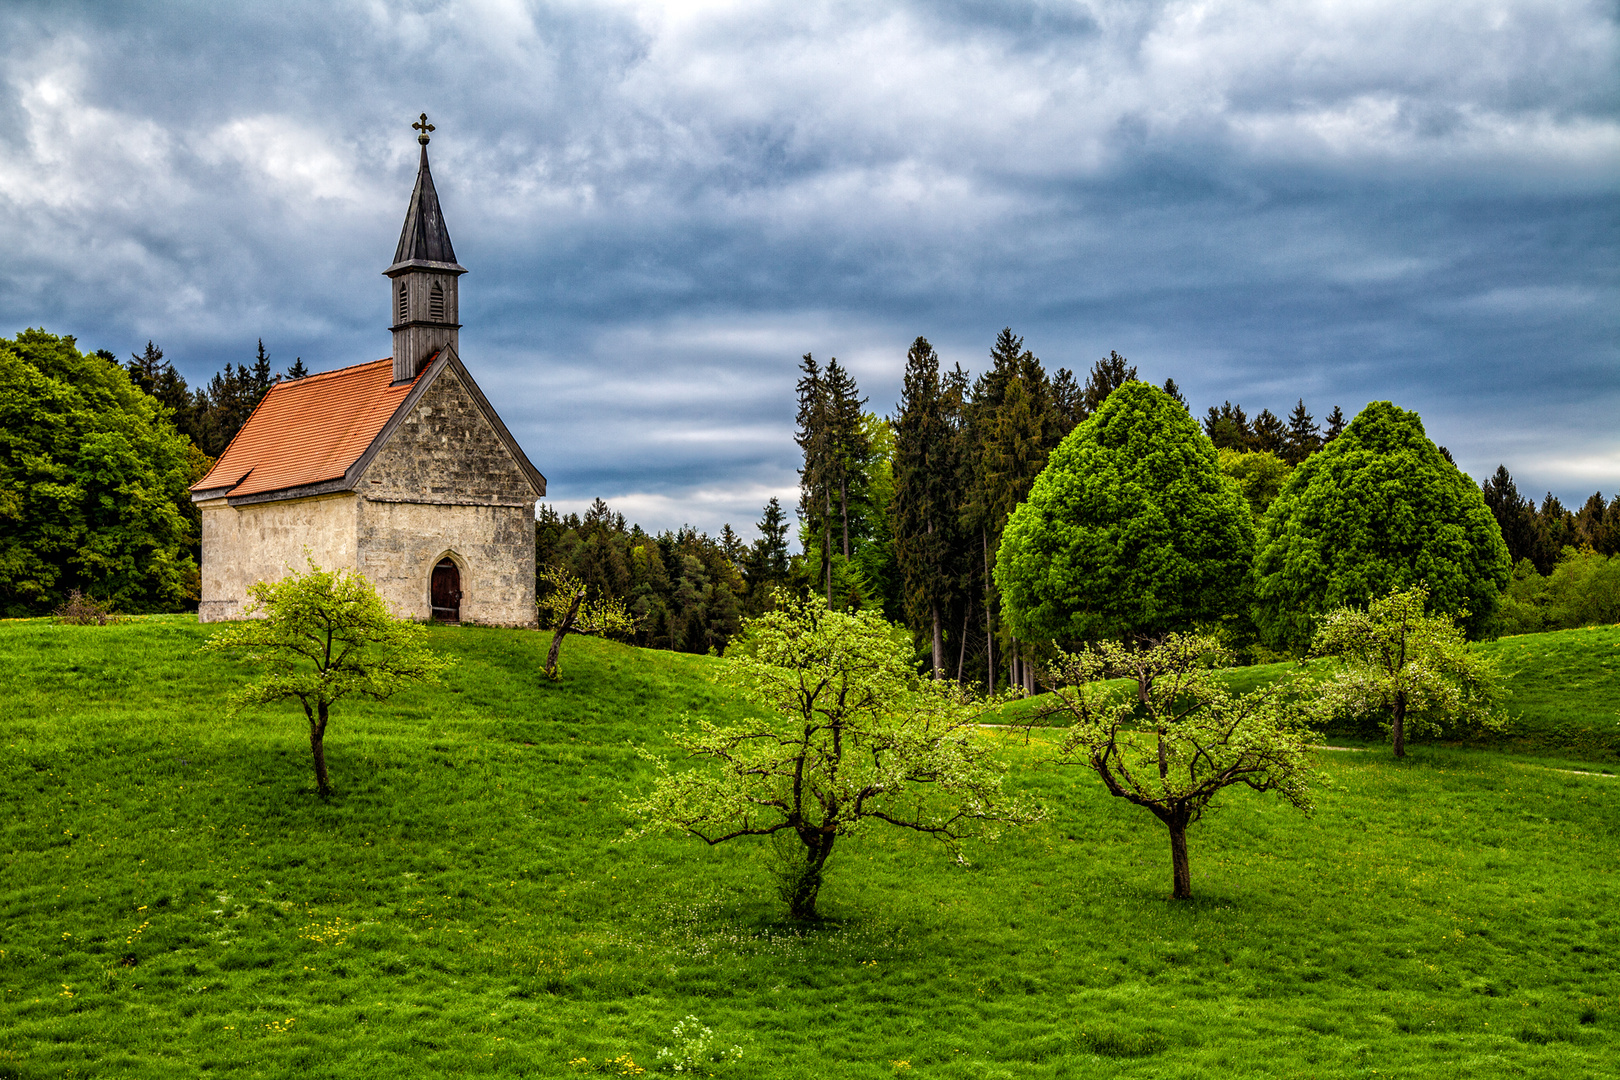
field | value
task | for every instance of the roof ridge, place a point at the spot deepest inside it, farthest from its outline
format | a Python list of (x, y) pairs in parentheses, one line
[(335, 371)]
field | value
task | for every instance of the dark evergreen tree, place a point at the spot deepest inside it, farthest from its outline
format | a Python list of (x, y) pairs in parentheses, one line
[(1228, 427), (817, 474), (1107, 375), (731, 544), (923, 511), (1174, 393), (1304, 437), (1593, 524), (1335, 425), (1515, 514), (1270, 435), (297, 370), (767, 560), (847, 444), (1068, 404)]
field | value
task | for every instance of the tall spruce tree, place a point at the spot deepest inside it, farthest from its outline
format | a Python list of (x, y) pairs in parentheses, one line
[(923, 508), (1107, 375), (1515, 514), (816, 476), (1270, 434), (1335, 425), (1304, 437), (768, 558), (847, 442)]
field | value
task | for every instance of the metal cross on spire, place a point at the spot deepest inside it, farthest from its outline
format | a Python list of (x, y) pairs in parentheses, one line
[(424, 127)]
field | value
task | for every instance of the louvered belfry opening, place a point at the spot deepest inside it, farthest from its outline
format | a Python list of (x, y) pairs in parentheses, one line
[(404, 303), (436, 303)]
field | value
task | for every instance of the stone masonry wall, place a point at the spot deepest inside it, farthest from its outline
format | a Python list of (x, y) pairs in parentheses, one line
[(244, 544), (493, 546), (445, 451), (445, 485)]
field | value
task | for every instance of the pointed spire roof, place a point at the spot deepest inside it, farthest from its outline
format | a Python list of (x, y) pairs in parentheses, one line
[(424, 241)]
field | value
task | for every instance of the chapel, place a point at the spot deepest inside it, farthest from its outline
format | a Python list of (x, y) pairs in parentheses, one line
[(399, 468)]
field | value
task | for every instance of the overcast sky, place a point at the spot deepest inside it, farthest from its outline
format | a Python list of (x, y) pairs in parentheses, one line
[(663, 206)]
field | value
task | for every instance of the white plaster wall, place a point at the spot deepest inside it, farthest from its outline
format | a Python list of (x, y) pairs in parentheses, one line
[(400, 543), (258, 542)]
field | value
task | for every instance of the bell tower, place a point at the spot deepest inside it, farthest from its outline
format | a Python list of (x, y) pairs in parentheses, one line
[(424, 276)]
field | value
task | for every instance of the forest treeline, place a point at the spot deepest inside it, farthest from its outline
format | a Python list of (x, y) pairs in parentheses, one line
[(905, 512), (900, 512)]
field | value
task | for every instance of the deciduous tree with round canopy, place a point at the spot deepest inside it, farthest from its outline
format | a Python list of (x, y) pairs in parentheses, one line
[(1130, 530), (1378, 509)]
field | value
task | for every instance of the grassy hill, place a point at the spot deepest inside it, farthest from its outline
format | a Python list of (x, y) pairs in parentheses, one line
[(1563, 694), (177, 903)]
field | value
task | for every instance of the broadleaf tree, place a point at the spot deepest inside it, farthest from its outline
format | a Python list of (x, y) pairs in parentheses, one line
[(93, 484), (1178, 737), (1413, 671), (318, 637), (1131, 530), (847, 737), (1376, 509)]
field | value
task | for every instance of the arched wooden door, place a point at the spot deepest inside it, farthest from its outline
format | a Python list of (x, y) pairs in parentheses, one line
[(446, 592)]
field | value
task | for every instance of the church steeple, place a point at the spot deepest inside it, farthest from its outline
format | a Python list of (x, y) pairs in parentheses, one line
[(423, 277)]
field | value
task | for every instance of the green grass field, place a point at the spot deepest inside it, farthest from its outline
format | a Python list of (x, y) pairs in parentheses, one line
[(176, 902)]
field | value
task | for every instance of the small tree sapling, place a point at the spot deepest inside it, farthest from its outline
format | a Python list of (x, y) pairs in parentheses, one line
[(1416, 672), (321, 636), (1182, 737), (565, 609), (848, 735)]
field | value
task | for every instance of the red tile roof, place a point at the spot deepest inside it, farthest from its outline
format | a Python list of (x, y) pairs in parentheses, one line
[(309, 430)]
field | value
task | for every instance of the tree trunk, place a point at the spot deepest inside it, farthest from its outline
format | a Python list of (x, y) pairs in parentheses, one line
[(801, 896), (1180, 870), (1398, 729), (317, 747), (843, 506), (989, 625), (939, 646), (561, 632), (826, 548), (961, 651)]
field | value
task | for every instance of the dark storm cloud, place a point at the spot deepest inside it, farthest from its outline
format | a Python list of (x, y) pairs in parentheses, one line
[(664, 206)]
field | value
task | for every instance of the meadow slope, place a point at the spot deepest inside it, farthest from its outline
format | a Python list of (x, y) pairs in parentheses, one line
[(176, 902)]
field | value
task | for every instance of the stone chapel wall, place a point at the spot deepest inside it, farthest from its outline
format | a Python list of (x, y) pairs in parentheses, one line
[(257, 542), (445, 484)]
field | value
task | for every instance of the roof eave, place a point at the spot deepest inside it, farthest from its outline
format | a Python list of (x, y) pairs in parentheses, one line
[(424, 264), (337, 485)]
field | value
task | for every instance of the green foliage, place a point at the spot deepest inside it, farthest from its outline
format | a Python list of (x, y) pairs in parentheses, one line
[(1415, 672), (1177, 736), (1582, 590), (1258, 474), (846, 736), (1379, 508), (93, 482), (500, 928), (1131, 529), (318, 637)]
